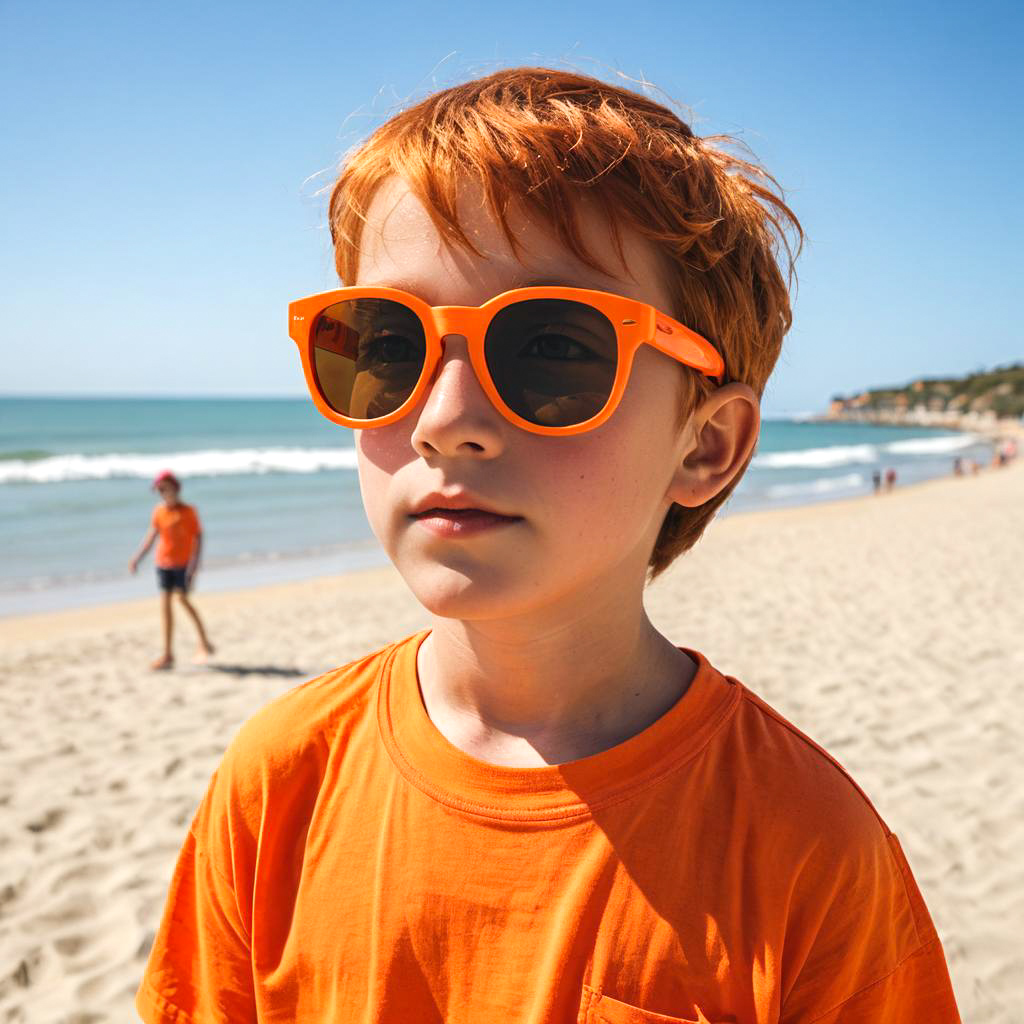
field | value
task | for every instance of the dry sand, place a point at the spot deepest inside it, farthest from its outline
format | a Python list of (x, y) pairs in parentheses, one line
[(889, 629)]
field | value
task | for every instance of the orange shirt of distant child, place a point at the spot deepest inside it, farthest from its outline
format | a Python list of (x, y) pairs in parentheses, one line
[(178, 527), (348, 863)]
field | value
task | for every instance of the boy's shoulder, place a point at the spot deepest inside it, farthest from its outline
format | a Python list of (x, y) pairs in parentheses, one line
[(305, 721), (276, 764), (160, 510), (822, 842), (803, 789)]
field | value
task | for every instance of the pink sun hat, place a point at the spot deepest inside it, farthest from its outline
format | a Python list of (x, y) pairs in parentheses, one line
[(165, 476)]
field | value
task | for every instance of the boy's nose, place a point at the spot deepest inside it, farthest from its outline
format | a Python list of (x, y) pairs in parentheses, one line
[(454, 380), (456, 416)]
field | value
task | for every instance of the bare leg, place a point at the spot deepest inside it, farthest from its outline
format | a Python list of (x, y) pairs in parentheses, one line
[(205, 647), (166, 615)]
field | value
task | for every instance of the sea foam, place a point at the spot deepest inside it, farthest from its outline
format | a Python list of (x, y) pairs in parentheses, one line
[(818, 458), (210, 463), (823, 485), (862, 454)]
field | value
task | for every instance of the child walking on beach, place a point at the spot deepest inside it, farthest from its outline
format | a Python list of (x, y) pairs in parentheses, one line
[(560, 309), (177, 560)]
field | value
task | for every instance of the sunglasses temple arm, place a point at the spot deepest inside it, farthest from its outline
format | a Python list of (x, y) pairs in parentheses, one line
[(677, 341)]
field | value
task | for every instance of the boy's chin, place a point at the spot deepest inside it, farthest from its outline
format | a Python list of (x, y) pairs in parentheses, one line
[(483, 594)]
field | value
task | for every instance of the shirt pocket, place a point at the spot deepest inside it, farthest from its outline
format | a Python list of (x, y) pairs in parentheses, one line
[(596, 1008)]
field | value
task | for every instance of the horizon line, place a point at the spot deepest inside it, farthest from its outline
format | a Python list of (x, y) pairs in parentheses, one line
[(150, 395), (144, 396)]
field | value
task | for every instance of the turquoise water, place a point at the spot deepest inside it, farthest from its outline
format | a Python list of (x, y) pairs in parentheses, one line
[(277, 492)]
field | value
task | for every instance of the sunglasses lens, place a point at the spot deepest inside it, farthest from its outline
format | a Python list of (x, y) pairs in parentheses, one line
[(367, 355), (553, 361)]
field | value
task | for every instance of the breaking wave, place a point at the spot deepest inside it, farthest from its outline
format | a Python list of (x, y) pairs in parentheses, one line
[(823, 485), (861, 454), (214, 462)]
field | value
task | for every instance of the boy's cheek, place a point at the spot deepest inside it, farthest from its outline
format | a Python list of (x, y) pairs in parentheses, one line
[(380, 456), (373, 489), (384, 450)]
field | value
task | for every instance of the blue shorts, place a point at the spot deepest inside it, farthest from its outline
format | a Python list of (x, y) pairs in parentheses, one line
[(172, 579)]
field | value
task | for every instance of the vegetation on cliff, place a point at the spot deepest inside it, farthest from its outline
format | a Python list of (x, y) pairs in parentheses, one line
[(998, 392)]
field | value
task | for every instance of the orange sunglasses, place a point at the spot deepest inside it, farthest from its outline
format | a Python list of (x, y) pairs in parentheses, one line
[(552, 360)]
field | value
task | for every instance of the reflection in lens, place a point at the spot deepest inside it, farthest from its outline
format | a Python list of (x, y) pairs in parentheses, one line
[(367, 356), (553, 361)]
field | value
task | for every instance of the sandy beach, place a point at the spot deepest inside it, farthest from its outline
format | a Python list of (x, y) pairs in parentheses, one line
[(887, 628)]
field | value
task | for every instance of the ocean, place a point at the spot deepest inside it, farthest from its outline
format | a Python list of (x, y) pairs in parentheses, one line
[(277, 490)]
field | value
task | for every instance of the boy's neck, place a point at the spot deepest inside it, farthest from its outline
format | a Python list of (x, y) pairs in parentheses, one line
[(565, 694)]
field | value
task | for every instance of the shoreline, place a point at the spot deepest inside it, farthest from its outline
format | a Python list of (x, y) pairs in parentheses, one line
[(47, 575), (86, 616)]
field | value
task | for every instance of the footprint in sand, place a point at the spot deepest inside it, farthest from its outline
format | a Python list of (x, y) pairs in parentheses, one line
[(25, 974), (9, 893), (51, 818), (70, 945), (86, 872), (79, 907)]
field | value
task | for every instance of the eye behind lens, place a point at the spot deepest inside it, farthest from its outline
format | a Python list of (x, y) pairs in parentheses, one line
[(367, 356), (557, 346), (553, 361)]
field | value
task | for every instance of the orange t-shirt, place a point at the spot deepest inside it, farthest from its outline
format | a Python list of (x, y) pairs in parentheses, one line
[(178, 528), (348, 863)]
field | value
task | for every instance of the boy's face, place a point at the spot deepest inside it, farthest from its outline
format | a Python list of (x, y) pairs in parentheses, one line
[(590, 504), (169, 493)]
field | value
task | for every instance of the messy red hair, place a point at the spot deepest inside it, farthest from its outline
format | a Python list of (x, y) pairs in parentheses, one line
[(541, 138)]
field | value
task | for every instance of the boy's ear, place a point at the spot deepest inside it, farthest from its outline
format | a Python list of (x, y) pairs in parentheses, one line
[(721, 435)]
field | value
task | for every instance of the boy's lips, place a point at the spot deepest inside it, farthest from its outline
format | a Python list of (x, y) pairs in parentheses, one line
[(460, 523), (457, 504), (459, 515)]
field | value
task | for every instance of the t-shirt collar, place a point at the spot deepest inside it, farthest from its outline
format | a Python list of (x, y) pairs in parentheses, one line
[(552, 793)]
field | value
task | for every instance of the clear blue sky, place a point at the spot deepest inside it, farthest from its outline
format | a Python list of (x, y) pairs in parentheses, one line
[(161, 167)]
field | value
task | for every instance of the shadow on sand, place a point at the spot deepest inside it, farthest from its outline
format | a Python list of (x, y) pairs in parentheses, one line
[(255, 670)]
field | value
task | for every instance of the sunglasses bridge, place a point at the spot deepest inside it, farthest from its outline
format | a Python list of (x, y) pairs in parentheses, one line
[(463, 321)]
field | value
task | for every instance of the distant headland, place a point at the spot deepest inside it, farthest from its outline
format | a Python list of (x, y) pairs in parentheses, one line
[(989, 401)]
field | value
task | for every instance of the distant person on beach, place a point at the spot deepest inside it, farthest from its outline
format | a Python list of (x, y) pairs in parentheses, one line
[(890, 479), (1006, 451), (958, 466), (176, 525), (876, 480), (561, 308)]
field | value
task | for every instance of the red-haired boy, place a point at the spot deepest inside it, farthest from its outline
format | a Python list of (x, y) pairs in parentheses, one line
[(560, 311)]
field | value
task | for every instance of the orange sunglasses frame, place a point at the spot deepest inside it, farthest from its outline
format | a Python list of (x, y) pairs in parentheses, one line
[(636, 323)]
